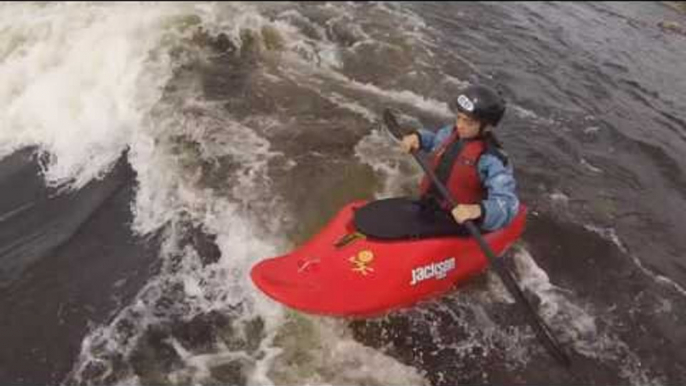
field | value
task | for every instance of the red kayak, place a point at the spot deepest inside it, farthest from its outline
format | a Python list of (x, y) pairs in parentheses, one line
[(341, 272)]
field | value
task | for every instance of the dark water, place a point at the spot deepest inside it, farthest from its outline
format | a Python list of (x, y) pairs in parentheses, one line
[(68, 260), (608, 83), (595, 126)]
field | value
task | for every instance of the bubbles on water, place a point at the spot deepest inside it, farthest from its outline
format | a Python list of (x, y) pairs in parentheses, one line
[(608, 234), (524, 113), (576, 324), (204, 173), (559, 198), (322, 351), (397, 170), (592, 130), (81, 109), (590, 167)]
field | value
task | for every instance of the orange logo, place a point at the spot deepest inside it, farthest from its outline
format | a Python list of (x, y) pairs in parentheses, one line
[(362, 261)]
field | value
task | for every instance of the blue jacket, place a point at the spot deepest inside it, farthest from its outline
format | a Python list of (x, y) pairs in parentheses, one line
[(501, 203)]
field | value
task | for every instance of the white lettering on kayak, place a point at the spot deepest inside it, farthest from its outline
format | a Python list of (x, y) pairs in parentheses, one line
[(434, 270)]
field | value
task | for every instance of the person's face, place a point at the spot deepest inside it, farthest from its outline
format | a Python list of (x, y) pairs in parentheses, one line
[(467, 126)]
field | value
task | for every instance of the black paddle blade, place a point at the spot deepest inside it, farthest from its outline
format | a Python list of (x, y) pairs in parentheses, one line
[(392, 125)]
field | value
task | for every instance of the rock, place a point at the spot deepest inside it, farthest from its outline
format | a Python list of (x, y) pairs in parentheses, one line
[(671, 26), (272, 39), (677, 5)]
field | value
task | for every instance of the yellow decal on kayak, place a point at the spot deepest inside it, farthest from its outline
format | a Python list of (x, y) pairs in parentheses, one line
[(362, 261)]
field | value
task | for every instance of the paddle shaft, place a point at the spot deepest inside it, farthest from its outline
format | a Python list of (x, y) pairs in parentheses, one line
[(535, 321)]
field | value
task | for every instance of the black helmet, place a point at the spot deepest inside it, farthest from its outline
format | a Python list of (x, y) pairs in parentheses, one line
[(482, 103)]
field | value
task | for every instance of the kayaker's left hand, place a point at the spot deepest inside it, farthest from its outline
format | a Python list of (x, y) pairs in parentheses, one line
[(462, 213)]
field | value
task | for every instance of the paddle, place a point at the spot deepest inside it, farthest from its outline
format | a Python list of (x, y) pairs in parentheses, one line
[(540, 328)]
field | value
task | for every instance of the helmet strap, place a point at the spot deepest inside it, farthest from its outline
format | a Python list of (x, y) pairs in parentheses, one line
[(483, 128)]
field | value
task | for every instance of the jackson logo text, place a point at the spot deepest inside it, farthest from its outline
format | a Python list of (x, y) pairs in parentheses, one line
[(434, 270)]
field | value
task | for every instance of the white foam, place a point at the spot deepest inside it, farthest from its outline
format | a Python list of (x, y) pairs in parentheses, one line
[(576, 324), (523, 113), (161, 182), (396, 169), (402, 96), (86, 83), (592, 130), (560, 197), (458, 82), (109, 100), (80, 108), (590, 167), (467, 309), (200, 365), (353, 106), (216, 287), (555, 307), (414, 25), (337, 358), (318, 50), (609, 234), (311, 74)]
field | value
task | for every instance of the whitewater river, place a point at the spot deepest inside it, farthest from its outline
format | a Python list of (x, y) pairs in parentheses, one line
[(150, 154)]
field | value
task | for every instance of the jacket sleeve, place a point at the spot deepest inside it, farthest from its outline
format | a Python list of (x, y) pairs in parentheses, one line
[(429, 141), (501, 204)]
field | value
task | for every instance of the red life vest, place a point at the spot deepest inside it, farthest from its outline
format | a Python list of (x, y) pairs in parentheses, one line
[(464, 183)]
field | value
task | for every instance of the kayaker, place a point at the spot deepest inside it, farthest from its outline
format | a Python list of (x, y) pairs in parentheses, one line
[(471, 163)]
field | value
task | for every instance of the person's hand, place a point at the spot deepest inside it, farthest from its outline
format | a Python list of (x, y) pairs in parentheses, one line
[(410, 143), (462, 213)]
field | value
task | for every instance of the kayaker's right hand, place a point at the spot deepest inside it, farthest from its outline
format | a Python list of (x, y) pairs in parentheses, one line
[(410, 143)]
